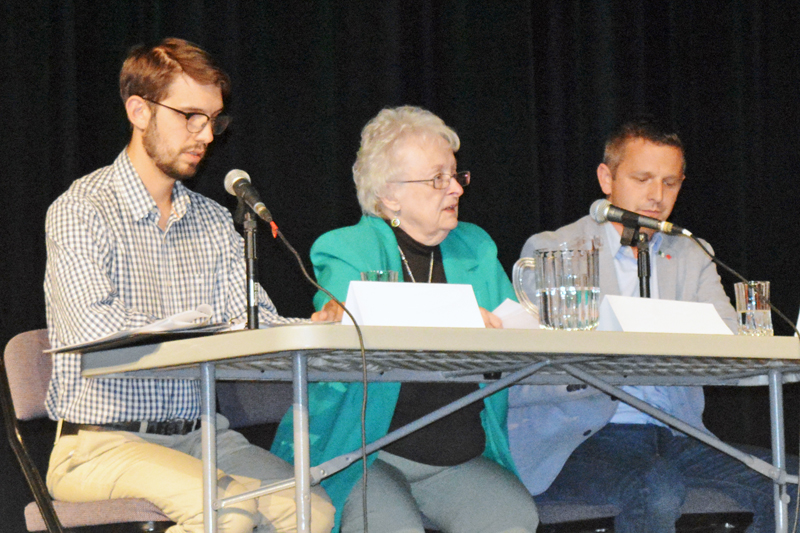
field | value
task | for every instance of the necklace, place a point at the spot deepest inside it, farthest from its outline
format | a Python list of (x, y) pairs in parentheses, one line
[(408, 268)]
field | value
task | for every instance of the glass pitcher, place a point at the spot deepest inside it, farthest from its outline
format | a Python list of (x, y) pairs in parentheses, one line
[(561, 286)]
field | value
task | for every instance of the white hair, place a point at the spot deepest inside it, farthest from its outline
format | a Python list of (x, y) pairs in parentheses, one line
[(374, 166)]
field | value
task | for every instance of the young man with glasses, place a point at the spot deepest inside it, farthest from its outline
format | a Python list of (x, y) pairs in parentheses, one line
[(129, 244)]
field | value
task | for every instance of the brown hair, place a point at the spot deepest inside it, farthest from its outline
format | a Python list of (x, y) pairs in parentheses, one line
[(148, 71), (645, 128)]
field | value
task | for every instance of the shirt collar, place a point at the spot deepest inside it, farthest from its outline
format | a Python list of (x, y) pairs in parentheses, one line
[(136, 197)]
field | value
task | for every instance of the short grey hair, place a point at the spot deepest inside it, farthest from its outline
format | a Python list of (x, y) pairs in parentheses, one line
[(374, 166)]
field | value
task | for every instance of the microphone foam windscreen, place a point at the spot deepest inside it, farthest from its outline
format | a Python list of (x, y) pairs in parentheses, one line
[(232, 177)]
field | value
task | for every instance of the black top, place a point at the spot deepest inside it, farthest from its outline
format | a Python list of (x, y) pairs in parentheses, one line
[(458, 437)]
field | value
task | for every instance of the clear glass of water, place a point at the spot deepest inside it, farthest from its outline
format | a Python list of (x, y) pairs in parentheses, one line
[(379, 275), (753, 308)]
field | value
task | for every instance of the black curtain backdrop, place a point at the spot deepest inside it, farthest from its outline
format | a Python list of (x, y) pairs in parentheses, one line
[(532, 88)]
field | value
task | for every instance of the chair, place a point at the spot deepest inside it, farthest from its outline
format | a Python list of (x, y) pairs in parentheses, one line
[(24, 376)]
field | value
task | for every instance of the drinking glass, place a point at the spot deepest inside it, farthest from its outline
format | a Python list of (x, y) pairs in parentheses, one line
[(379, 275), (753, 308)]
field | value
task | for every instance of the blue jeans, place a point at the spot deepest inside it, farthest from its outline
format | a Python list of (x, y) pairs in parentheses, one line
[(645, 470)]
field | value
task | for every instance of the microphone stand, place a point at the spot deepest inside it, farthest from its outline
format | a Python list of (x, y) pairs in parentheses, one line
[(632, 236), (643, 262), (246, 217)]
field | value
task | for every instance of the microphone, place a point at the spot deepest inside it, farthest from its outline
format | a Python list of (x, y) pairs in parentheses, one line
[(237, 183), (603, 210)]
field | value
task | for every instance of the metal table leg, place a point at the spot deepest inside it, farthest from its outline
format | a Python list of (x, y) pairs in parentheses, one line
[(778, 449), (208, 434), (302, 460)]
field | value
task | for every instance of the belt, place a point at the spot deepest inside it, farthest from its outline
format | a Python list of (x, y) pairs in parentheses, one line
[(176, 426)]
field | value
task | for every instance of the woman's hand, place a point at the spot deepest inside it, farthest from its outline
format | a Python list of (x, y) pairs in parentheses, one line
[(490, 320), (330, 312)]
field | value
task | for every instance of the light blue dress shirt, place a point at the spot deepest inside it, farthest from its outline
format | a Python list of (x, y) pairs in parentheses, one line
[(627, 270)]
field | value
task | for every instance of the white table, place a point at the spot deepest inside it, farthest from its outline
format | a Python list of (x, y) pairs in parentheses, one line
[(327, 352)]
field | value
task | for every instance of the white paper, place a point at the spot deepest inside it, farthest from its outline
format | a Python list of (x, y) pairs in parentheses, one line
[(648, 315), (380, 303), (515, 316), (191, 319), (186, 319)]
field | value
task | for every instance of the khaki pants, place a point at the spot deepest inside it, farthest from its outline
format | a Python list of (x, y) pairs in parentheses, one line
[(167, 470)]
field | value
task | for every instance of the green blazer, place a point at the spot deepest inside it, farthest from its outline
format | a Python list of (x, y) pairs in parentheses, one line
[(339, 256)]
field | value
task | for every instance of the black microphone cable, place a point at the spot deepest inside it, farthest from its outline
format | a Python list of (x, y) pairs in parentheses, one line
[(250, 198), (276, 232), (745, 280)]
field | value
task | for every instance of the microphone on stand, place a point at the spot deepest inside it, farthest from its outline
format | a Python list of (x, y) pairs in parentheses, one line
[(237, 183), (603, 210)]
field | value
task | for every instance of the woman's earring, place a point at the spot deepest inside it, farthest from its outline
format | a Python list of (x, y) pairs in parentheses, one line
[(396, 220)]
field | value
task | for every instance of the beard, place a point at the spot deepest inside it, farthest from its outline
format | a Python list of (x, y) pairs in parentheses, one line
[(166, 162)]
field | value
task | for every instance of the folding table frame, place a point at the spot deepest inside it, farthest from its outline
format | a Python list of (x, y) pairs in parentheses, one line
[(327, 352)]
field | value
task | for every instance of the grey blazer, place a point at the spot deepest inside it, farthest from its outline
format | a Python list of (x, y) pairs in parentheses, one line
[(546, 423), (685, 273)]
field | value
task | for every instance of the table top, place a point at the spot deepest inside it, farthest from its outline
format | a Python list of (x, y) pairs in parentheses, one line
[(464, 354)]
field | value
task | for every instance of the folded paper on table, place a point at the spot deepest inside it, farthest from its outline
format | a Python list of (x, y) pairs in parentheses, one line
[(185, 319), (515, 316), (374, 303), (649, 315), (190, 320)]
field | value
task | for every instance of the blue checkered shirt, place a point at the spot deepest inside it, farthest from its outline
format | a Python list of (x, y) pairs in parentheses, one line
[(111, 268)]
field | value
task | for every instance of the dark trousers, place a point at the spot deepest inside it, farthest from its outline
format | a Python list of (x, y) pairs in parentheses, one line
[(645, 470)]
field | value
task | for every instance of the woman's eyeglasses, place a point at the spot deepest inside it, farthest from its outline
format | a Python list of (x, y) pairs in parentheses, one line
[(442, 181)]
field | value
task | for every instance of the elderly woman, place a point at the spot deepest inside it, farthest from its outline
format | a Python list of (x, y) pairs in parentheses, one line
[(450, 471)]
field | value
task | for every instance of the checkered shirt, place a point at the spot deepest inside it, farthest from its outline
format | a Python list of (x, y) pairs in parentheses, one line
[(111, 268)]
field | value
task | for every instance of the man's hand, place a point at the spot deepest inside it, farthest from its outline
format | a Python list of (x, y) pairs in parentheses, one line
[(330, 312), (490, 320)]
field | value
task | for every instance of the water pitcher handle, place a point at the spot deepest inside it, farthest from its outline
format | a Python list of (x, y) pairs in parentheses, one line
[(523, 264)]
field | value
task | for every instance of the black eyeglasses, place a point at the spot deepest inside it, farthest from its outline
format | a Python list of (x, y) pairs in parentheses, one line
[(195, 122), (442, 181)]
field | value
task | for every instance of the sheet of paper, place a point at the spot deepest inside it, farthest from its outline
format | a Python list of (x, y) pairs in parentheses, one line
[(647, 315), (376, 303), (186, 320), (515, 316)]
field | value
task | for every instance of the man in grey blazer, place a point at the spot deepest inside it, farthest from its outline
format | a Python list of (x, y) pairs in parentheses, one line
[(622, 456)]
